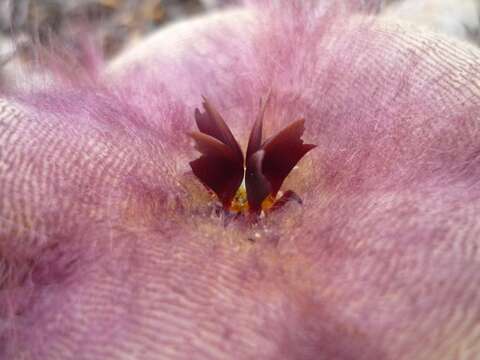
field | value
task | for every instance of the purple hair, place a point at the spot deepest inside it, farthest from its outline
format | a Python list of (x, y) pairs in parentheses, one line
[(110, 247)]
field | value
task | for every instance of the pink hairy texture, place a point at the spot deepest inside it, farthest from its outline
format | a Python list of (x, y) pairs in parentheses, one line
[(111, 249)]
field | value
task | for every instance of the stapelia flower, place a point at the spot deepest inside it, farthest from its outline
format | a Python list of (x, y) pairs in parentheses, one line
[(221, 166), (110, 247)]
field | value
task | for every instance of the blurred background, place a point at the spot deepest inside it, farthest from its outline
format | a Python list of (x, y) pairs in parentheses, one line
[(115, 23)]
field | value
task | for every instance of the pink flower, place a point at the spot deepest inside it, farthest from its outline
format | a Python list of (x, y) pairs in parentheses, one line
[(110, 247)]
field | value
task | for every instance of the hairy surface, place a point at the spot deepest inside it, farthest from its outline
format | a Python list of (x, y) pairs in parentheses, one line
[(457, 18), (110, 249)]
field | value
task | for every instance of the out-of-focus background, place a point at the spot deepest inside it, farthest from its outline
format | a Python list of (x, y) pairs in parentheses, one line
[(112, 23), (116, 23)]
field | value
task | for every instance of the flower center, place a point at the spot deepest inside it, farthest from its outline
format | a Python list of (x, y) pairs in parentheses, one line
[(240, 202), (249, 183)]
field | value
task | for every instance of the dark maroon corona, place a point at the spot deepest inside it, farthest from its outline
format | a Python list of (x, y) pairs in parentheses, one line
[(222, 167)]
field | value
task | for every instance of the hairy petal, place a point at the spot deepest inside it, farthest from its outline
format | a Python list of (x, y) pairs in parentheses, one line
[(111, 250)]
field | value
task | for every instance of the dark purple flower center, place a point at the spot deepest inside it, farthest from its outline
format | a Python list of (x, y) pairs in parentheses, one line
[(252, 183)]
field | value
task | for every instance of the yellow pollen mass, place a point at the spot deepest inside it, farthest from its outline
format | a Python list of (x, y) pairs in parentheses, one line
[(240, 201)]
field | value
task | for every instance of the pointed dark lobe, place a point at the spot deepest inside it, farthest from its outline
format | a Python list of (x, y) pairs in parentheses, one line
[(283, 152), (258, 186), (291, 133), (211, 123), (209, 146), (255, 140), (268, 167), (220, 168), (219, 174)]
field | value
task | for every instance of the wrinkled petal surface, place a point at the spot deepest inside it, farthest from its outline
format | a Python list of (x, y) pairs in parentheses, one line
[(110, 248)]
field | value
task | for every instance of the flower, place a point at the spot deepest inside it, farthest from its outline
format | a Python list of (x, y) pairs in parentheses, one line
[(109, 246)]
